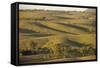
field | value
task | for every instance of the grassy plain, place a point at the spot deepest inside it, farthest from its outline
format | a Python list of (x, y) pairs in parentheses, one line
[(55, 36)]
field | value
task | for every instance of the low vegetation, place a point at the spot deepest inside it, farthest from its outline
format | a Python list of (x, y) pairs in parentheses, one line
[(46, 36)]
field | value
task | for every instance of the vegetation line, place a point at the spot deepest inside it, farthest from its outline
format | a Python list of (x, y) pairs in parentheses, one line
[(76, 27), (43, 26)]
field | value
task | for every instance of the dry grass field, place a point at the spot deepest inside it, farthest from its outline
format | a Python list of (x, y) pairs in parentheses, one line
[(55, 36)]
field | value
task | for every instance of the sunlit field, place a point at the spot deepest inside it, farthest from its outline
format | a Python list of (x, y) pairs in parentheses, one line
[(56, 36)]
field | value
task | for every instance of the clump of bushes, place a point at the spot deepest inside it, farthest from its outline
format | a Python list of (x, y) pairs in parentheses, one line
[(35, 50)]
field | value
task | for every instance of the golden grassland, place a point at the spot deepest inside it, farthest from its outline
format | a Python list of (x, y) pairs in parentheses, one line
[(51, 36)]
